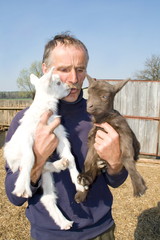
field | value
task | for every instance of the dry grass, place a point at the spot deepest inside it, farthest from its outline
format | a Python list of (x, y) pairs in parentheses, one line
[(126, 209), (136, 214), (13, 223)]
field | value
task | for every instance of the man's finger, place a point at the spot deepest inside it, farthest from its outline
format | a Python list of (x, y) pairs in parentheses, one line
[(45, 116), (108, 128), (54, 124), (101, 134)]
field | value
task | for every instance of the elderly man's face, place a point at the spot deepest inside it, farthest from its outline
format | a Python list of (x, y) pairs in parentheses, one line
[(70, 63)]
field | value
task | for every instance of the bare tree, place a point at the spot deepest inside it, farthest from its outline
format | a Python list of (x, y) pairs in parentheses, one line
[(152, 69), (23, 81)]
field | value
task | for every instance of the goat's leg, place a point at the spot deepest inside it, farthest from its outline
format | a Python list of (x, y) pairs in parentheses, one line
[(56, 166), (64, 151), (22, 185), (87, 177), (49, 201), (11, 151), (72, 166), (138, 183)]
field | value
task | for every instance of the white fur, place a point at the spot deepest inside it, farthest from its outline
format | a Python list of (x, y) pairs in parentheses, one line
[(19, 154)]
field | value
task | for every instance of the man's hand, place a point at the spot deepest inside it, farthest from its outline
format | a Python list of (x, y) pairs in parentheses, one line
[(108, 147), (45, 144)]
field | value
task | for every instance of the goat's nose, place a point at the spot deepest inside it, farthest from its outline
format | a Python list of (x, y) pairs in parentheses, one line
[(90, 105)]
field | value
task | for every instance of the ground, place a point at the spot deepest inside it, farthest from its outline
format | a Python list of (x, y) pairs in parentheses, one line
[(133, 216)]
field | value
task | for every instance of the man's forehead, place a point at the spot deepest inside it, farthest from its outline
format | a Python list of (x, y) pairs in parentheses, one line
[(64, 56)]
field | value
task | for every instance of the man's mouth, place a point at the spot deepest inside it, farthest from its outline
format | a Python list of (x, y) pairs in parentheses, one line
[(73, 90), (74, 85)]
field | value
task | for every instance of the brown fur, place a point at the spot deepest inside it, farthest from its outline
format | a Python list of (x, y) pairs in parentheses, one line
[(100, 105)]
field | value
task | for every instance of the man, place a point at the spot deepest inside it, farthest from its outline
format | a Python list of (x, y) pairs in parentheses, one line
[(92, 218)]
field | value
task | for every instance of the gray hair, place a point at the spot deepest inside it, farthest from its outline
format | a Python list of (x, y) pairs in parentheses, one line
[(63, 39)]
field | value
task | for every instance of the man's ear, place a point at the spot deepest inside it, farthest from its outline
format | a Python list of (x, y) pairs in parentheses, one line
[(33, 79), (44, 68)]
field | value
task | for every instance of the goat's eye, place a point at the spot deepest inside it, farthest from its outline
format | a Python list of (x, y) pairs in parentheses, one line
[(104, 97), (58, 83)]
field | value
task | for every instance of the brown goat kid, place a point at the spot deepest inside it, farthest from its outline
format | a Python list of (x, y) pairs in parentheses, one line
[(100, 105)]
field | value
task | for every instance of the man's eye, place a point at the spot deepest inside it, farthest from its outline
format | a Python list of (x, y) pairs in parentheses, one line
[(64, 70), (80, 70)]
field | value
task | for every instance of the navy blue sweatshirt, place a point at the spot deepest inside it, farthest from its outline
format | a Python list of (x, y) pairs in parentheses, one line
[(91, 217)]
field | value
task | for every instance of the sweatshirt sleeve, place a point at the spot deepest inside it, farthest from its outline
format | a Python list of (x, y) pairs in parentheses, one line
[(10, 176), (117, 179)]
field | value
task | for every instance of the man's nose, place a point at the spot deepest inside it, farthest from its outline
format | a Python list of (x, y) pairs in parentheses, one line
[(73, 76)]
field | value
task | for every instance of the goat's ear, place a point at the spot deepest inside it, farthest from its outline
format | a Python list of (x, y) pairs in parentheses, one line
[(49, 73), (120, 85), (33, 79), (90, 80)]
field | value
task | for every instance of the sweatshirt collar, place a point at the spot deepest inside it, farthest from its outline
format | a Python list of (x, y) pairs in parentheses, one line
[(71, 103)]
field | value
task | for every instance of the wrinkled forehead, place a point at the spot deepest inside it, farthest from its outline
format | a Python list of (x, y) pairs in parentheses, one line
[(67, 52)]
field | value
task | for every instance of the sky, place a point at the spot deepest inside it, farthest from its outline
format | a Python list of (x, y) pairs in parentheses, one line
[(119, 34)]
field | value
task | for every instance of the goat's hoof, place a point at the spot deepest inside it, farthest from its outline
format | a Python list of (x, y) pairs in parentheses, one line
[(83, 180), (80, 188), (24, 194), (58, 165), (80, 196), (65, 163), (67, 225), (86, 187), (101, 164), (139, 188), (140, 192)]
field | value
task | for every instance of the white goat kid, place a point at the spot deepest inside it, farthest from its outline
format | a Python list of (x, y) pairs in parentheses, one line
[(19, 154)]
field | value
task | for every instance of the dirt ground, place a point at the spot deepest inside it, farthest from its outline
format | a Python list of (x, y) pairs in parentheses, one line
[(133, 216)]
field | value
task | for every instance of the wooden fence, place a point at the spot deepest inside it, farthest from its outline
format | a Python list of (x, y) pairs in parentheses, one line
[(138, 101), (8, 109)]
